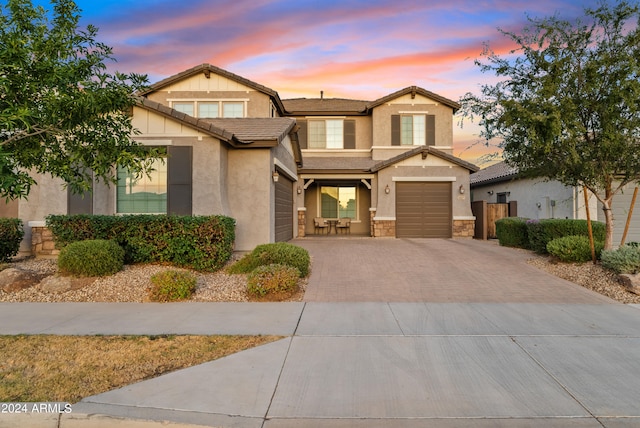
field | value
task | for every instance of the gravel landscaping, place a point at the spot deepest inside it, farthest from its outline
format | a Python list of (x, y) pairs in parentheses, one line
[(132, 283)]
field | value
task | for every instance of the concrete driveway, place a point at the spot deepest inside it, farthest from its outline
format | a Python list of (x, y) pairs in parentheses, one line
[(431, 270)]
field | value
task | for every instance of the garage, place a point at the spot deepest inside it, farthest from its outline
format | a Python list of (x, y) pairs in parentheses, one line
[(284, 209), (423, 210)]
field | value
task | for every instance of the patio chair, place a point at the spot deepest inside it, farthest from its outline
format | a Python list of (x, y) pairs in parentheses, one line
[(319, 224), (344, 225)]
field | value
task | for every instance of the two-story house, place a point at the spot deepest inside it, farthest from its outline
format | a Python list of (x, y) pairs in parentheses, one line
[(233, 147)]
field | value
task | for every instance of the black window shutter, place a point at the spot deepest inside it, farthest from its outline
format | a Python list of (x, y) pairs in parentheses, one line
[(80, 203), (430, 133), (302, 133), (349, 134), (179, 180), (395, 129)]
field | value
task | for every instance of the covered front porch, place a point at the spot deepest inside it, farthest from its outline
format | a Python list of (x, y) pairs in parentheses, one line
[(335, 206)]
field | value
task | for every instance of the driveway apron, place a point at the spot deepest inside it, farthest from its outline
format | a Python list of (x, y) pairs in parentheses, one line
[(431, 270)]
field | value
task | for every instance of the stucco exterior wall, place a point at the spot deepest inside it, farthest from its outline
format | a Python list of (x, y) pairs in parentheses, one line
[(48, 197), (382, 119), (539, 199), (620, 207), (250, 197)]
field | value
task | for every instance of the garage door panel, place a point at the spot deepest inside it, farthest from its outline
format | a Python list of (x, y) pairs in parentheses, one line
[(423, 210), (283, 210)]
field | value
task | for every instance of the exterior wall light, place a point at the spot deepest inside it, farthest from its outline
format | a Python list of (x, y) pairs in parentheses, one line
[(275, 176), (490, 192), (387, 190), (299, 190), (461, 189)]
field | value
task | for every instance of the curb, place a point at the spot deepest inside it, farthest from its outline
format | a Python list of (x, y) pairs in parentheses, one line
[(81, 420)]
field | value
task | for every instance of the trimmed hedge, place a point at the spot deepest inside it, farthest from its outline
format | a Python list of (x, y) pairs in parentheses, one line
[(541, 232), (625, 259), (11, 234), (203, 243), (93, 257), (574, 248), (276, 253), (512, 232)]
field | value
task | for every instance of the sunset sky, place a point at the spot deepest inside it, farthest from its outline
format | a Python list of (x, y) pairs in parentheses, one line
[(360, 49)]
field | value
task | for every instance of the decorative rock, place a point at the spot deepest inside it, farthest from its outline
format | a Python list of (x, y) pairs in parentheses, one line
[(12, 279), (631, 282), (61, 284)]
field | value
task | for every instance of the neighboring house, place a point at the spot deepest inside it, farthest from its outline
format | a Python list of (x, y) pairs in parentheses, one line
[(235, 148), (541, 199)]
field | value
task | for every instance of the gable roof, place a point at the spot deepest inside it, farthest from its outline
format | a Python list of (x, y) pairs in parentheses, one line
[(207, 69), (424, 150), (413, 90), (343, 106), (239, 132), (495, 173)]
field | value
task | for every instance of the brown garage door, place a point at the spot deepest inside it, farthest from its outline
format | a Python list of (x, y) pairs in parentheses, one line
[(423, 210), (284, 209)]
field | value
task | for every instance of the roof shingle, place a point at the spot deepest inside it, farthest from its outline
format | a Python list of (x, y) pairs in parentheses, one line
[(493, 174)]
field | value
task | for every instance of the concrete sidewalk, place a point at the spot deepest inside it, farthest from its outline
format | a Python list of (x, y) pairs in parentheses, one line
[(371, 364), (393, 333)]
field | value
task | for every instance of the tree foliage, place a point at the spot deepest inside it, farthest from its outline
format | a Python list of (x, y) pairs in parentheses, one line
[(568, 105), (61, 112)]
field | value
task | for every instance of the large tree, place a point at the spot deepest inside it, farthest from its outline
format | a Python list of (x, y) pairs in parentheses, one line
[(566, 105), (61, 112)]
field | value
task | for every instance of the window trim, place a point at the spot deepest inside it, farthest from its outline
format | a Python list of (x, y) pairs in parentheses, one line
[(220, 101), (357, 196)]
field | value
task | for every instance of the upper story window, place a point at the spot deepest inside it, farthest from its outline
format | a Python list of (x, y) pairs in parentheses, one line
[(211, 109), (186, 108), (413, 130), (232, 109), (327, 133), (208, 109)]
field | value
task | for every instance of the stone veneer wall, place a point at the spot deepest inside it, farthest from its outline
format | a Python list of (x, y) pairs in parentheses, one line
[(42, 244), (302, 222), (464, 228)]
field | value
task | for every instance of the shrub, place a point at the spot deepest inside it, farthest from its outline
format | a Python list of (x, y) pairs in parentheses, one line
[(172, 285), (202, 243), (11, 234), (96, 257), (573, 248), (272, 279), (625, 259), (277, 253), (541, 232), (512, 232)]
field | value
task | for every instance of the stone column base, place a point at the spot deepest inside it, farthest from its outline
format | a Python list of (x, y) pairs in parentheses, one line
[(302, 222), (42, 244), (464, 228)]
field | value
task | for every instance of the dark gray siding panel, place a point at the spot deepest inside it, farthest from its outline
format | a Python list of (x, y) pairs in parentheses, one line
[(284, 209), (179, 180)]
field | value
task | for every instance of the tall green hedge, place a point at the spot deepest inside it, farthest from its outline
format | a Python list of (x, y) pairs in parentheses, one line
[(11, 233), (204, 243), (512, 232), (541, 232)]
